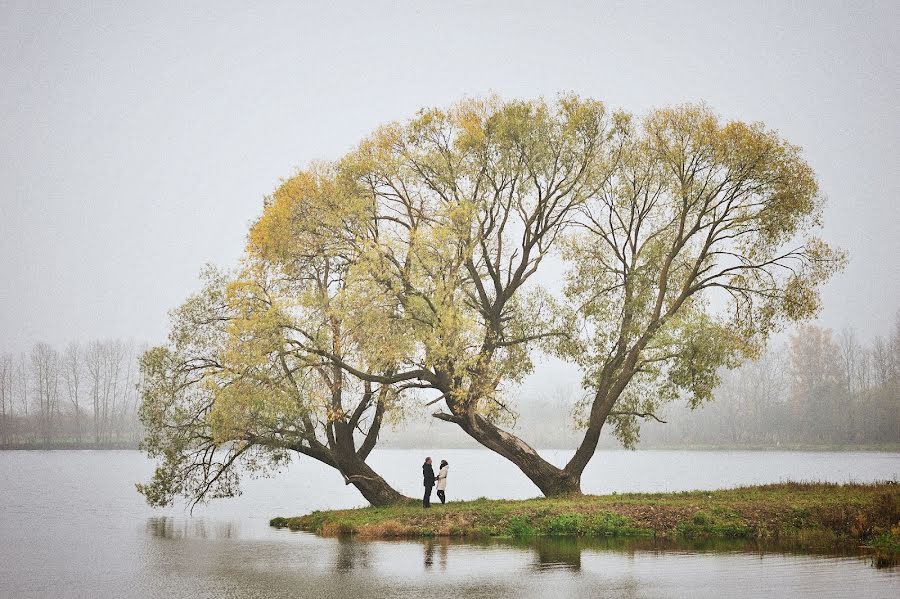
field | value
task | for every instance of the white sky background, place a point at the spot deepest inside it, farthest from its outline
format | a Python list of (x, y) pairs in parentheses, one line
[(137, 142)]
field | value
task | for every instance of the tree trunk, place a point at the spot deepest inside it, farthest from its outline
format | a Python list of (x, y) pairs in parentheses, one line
[(585, 451), (355, 471), (375, 489), (552, 481)]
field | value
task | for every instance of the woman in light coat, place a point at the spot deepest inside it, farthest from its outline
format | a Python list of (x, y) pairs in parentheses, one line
[(442, 480)]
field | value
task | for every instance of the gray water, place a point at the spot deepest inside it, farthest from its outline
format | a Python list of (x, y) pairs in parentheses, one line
[(72, 525)]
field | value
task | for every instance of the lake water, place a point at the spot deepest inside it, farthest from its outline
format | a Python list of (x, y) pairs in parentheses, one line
[(72, 525)]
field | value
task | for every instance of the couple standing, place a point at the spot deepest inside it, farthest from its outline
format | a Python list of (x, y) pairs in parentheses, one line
[(428, 478)]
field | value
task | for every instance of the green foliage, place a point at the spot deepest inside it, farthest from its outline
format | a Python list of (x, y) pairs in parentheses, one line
[(441, 222), (697, 215), (231, 394), (887, 547), (718, 525), (196, 461), (598, 524), (567, 524)]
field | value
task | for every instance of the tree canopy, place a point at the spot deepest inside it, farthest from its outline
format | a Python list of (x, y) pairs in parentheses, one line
[(409, 264)]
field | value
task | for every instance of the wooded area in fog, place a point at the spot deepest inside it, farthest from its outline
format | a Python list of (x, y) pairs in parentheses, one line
[(85, 395), (817, 389)]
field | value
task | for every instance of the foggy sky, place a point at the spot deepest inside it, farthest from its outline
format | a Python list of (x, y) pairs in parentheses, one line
[(137, 140)]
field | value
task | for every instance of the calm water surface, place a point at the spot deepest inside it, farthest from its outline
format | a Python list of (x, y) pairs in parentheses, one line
[(72, 525)]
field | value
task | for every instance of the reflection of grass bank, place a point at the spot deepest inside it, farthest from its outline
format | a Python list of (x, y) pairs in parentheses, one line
[(564, 550), (811, 515)]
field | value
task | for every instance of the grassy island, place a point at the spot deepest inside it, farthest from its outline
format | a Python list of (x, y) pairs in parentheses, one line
[(810, 514)]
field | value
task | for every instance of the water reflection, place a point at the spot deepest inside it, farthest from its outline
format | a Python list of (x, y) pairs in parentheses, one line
[(167, 527), (566, 552), (442, 544), (351, 555), (297, 564), (554, 554), (429, 554)]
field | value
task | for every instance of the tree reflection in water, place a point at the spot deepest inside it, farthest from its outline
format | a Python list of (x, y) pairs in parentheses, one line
[(167, 527), (557, 553), (188, 561), (442, 544), (351, 555)]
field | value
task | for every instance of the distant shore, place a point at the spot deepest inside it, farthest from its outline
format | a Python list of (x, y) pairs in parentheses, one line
[(811, 515), (72, 445)]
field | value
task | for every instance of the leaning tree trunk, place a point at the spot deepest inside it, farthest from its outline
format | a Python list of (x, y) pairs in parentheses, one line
[(375, 489), (552, 481), (356, 472)]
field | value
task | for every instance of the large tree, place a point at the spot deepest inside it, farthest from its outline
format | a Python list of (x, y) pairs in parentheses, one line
[(685, 262), (685, 242), (476, 197)]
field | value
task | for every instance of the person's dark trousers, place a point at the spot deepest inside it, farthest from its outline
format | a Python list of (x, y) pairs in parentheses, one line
[(441, 496), (426, 501)]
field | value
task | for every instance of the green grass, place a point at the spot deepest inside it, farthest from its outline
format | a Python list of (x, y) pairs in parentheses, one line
[(807, 514), (887, 547), (719, 523)]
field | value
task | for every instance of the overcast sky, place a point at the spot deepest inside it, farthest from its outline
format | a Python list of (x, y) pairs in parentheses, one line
[(137, 140)]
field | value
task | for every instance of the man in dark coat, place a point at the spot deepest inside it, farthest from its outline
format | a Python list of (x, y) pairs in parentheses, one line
[(428, 481)]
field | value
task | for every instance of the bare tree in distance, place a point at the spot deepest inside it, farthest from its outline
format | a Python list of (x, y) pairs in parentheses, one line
[(72, 367)]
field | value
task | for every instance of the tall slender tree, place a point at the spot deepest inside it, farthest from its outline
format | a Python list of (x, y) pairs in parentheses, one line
[(7, 410), (72, 376)]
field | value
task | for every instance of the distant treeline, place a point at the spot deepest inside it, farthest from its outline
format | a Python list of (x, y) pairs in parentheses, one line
[(816, 390), (84, 396)]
